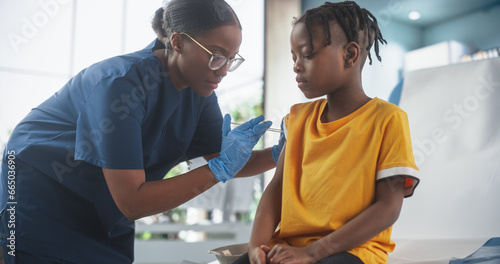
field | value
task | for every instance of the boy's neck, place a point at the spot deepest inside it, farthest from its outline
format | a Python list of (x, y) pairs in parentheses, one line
[(343, 104)]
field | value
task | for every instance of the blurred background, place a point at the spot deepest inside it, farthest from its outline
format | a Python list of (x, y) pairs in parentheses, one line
[(45, 42)]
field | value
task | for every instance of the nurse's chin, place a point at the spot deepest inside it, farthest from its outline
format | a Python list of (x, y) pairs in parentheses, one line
[(204, 92)]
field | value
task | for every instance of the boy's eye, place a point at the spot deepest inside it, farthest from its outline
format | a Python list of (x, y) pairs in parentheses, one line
[(309, 56)]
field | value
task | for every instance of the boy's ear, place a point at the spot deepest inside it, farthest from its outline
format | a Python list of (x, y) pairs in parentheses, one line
[(351, 54)]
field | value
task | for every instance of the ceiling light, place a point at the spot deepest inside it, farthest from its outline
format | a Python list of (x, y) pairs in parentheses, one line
[(414, 15)]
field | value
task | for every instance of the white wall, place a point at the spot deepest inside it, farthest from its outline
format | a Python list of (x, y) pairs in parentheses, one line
[(46, 42), (456, 147)]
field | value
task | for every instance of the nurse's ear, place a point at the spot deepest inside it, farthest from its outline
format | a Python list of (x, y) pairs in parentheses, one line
[(177, 42)]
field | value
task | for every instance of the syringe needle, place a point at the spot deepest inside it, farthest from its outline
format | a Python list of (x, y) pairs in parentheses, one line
[(269, 129)]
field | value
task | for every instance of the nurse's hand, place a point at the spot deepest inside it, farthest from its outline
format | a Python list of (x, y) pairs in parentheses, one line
[(237, 146)]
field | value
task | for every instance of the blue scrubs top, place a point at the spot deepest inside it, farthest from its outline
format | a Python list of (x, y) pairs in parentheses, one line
[(121, 113)]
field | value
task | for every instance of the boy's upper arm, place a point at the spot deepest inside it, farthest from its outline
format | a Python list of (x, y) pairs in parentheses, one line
[(391, 192), (272, 195), (268, 213), (277, 181), (396, 159)]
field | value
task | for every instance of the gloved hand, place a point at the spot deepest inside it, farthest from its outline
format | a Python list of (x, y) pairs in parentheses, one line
[(236, 147), (276, 150)]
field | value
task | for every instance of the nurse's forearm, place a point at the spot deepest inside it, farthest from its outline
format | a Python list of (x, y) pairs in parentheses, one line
[(169, 193), (136, 198), (259, 162)]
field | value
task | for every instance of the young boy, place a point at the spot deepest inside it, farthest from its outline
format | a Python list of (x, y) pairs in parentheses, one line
[(347, 163)]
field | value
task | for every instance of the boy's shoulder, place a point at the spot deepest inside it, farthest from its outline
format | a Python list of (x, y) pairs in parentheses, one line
[(385, 107)]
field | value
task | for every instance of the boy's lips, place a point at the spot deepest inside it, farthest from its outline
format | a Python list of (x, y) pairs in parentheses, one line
[(300, 81)]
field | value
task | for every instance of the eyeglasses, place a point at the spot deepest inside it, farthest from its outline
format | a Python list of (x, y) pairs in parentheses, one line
[(217, 61)]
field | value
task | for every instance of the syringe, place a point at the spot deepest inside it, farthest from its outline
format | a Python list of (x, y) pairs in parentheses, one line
[(269, 129)]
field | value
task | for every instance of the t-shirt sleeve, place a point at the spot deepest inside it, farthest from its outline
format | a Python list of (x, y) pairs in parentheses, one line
[(284, 125), (108, 129), (396, 154), (208, 136)]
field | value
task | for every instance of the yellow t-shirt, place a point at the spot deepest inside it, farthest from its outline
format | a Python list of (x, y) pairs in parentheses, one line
[(331, 169)]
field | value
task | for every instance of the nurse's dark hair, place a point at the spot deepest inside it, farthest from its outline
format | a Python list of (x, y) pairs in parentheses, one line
[(193, 17), (351, 18)]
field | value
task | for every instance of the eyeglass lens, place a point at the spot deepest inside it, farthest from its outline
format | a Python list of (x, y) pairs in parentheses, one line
[(217, 61)]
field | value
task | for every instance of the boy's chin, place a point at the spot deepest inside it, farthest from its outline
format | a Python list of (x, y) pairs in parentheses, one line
[(312, 96)]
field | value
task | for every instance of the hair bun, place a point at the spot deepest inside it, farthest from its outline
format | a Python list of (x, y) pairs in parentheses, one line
[(157, 24), (192, 17)]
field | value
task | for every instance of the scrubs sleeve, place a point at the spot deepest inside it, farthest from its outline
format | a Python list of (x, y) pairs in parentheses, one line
[(208, 136), (108, 129)]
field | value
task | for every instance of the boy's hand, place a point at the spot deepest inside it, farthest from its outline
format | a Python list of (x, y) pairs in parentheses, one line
[(257, 255), (285, 254)]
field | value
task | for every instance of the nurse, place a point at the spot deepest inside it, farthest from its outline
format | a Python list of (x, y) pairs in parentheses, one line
[(82, 166)]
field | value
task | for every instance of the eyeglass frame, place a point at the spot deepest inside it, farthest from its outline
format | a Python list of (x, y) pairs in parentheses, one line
[(227, 61)]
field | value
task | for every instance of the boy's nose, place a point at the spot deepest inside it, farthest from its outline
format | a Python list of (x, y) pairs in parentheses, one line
[(297, 67)]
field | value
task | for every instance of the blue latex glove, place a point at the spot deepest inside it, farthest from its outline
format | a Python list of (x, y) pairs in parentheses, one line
[(237, 146), (276, 150)]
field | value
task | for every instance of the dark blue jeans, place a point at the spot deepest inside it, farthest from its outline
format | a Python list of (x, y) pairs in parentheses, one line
[(341, 258)]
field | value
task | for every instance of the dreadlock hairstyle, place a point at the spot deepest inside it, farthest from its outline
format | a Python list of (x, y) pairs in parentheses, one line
[(192, 17), (351, 18)]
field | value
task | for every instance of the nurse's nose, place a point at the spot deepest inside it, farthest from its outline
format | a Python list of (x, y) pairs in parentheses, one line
[(222, 72)]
